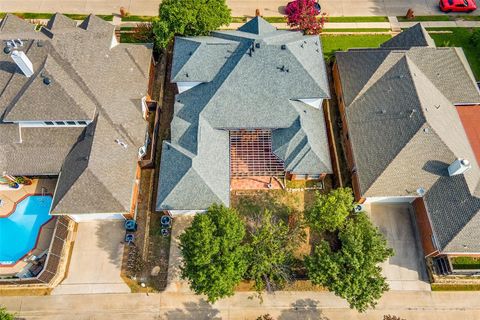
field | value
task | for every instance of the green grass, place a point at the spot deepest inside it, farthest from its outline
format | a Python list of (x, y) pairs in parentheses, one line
[(465, 263), (239, 19), (332, 43), (459, 37), (128, 38), (29, 15), (425, 18), (455, 287), (138, 18), (357, 19), (276, 19), (357, 30), (440, 18)]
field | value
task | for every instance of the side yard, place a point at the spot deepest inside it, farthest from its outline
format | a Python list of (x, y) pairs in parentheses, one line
[(459, 37)]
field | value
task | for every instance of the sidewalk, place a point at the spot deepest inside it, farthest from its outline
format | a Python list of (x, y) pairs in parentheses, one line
[(411, 305)]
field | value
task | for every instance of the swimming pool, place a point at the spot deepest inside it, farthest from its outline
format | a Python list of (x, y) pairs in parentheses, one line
[(19, 230)]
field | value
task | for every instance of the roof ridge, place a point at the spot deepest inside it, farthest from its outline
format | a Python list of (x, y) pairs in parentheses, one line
[(379, 72)]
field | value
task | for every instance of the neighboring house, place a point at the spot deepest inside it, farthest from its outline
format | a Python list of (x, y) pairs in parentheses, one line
[(410, 115), (249, 104), (72, 106)]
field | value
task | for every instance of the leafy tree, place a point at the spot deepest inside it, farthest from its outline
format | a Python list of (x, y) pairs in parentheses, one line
[(214, 256), (329, 212), (189, 18), (302, 15), (272, 243), (352, 272), (475, 38), (5, 315)]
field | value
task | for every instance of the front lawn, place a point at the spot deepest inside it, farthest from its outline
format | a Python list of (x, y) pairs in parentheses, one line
[(463, 263), (357, 19), (459, 37), (440, 18), (332, 43)]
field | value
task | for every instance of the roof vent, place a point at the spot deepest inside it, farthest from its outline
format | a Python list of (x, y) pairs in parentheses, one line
[(47, 81), (7, 50), (421, 192), (22, 61), (257, 45), (459, 166), (283, 47), (39, 43)]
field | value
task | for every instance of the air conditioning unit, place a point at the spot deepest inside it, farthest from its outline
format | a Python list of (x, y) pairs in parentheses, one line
[(359, 208)]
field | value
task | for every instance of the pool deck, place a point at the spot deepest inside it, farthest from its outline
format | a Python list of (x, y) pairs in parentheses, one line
[(10, 197)]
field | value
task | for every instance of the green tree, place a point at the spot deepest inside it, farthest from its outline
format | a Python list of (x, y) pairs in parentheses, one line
[(352, 272), (272, 243), (475, 38), (189, 18), (5, 315), (329, 211), (214, 256)]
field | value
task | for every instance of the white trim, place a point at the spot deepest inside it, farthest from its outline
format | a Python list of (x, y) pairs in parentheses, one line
[(185, 212), (399, 199), (184, 85), (314, 102), (54, 123), (96, 217)]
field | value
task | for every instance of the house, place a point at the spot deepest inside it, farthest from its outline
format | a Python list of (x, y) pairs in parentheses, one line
[(410, 114), (249, 104), (73, 107)]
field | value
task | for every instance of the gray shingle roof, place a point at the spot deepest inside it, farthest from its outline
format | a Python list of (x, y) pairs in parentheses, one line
[(93, 79), (415, 36), (257, 26), (405, 130), (249, 80)]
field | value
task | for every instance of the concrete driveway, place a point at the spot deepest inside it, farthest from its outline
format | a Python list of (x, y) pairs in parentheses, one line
[(96, 260), (406, 270)]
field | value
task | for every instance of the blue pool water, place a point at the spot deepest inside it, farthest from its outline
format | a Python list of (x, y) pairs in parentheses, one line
[(19, 230)]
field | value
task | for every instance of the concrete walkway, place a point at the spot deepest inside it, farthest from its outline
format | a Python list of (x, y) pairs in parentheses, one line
[(239, 7), (282, 306)]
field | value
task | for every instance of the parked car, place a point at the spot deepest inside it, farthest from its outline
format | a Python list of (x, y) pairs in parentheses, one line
[(458, 5)]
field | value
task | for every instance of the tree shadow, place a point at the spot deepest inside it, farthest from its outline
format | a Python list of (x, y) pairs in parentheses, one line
[(194, 311), (306, 309), (109, 240)]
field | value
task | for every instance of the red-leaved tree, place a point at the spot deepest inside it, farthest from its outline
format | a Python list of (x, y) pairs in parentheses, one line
[(302, 15)]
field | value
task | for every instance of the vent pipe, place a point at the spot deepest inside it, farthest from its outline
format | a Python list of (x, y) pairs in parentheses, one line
[(459, 166), (22, 61)]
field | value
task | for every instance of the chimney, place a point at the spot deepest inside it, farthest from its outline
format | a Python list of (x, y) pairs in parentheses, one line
[(459, 166), (22, 61)]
